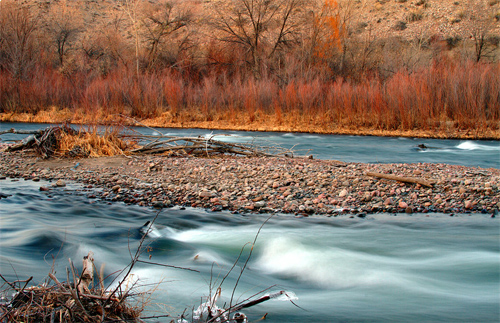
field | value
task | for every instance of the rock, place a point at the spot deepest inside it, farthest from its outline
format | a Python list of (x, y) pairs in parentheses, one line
[(403, 205), (206, 194), (388, 201), (158, 205), (468, 204), (60, 183), (409, 210), (116, 188), (343, 193), (44, 189), (260, 204)]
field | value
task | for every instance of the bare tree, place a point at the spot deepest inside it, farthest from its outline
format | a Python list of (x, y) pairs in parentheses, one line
[(479, 24), (131, 8), (64, 22), (18, 25), (161, 20), (261, 27)]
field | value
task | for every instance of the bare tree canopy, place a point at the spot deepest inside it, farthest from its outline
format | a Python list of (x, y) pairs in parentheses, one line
[(261, 27)]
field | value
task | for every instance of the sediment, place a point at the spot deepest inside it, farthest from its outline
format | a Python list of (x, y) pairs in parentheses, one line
[(297, 186)]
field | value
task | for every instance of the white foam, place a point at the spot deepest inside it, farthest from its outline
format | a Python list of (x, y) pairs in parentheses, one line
[(470, 145), (332, 267)]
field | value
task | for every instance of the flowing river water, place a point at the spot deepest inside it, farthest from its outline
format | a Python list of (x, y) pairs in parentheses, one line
[(383, 268)]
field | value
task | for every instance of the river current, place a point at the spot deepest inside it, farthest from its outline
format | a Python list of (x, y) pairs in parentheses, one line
[(382, 268)]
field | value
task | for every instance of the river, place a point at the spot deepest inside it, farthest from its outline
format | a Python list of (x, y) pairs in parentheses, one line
[(363, 149), (382, 268)]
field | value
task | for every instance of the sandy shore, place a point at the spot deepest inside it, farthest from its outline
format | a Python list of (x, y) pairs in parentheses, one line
[(297, 186)]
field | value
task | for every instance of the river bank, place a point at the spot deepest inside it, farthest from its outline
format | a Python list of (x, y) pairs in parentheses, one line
[(261, 122), (256, 185)]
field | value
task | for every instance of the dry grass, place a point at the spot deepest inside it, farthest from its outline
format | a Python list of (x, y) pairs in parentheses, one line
[(92, 144), (64, 141)]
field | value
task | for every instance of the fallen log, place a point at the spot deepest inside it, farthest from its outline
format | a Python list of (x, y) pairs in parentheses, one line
[(401, 179)]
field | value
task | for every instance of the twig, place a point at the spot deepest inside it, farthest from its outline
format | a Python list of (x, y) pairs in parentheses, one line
[(247, 260), (169, 266), (134, 260)]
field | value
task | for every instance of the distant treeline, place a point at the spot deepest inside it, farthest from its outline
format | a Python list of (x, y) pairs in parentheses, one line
[(242, 60)]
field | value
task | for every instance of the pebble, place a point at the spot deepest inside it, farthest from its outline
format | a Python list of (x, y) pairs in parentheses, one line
[(343, 193)]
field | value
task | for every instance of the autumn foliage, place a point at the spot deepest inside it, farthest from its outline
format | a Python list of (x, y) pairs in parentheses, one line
[(307, 74)]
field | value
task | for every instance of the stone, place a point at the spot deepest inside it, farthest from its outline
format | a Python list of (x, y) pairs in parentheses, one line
[(403, 205), (116, 188), (388, 201), (60, 183), (343, 193), (208, 194), (260, 204)]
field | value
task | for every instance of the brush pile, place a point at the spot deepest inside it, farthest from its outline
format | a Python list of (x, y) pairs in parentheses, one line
[(65, 141), (80, 301), (206, 147)]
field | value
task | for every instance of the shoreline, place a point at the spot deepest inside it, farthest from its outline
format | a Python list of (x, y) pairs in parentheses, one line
[(264, 125), (298, 186)]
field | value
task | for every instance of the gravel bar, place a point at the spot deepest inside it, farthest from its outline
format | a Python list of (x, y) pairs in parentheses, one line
[(266, 185)]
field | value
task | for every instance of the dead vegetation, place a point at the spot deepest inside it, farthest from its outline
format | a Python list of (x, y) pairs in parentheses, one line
[(79, 300), (65, 141)]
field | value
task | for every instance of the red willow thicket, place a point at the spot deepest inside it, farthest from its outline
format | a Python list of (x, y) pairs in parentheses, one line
[(306, 90), (466, 95)]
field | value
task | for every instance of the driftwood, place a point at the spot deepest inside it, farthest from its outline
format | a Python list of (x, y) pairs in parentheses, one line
[(401, 179), (46, 143), (206, 147), (87, 274)]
